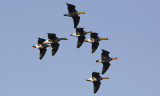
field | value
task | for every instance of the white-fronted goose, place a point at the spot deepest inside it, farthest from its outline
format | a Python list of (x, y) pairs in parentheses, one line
[(105, 59), (96, 78), (80, 33), (42, 47), (95, 41), (53, 40), (74, 14)]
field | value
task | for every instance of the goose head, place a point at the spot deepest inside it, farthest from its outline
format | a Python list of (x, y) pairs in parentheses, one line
[(92, 32), (81, 12), (104, 38), (105, 78), (66, 15), (34, 46), (115, 58), (64, 39)]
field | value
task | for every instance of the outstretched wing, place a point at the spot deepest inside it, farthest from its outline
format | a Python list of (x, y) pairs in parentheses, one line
[(94, 35), (42, 52), (105, 54), (41, 40), (76, 20), (96, 86), (105, 67), (51, 36), (80, 41), (95, 74), (54, 48), (71, 8), (79, 31), (94, 46)]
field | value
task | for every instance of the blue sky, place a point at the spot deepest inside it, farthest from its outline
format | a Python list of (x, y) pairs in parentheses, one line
[(131, 25)]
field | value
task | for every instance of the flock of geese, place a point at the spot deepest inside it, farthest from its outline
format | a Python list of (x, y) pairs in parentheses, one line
[(53, 41)]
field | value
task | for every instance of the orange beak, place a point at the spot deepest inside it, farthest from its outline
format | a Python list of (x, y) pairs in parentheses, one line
[(34, 46)]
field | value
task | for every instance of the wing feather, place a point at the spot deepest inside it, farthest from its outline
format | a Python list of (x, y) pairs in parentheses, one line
[(94, 46), (105, 67), (42, 52), (80, 41), (54, 48), (76, 20), (96, 86)]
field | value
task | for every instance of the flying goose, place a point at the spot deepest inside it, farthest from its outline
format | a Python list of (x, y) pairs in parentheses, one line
[(105, 59), (80, 33), (74, 14), (53, 40), (95, 41), (42, 47), (96, 78)]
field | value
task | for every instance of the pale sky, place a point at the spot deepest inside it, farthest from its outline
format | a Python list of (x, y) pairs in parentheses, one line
[(131, 25)]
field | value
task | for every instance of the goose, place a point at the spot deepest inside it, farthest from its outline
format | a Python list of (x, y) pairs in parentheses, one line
[(95, 41), (96, 78), (53, 40), (80, 33), (74, 14), (105, 59), (42, 47)]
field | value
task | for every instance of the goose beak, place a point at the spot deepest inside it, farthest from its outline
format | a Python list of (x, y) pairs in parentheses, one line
[(65, 15), (71, 35), (34, 46), (87, 80)]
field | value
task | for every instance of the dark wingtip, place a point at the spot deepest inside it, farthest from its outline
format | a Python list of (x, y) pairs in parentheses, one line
[(103, 50), (53, 54), (78, 46), (93, 51)]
